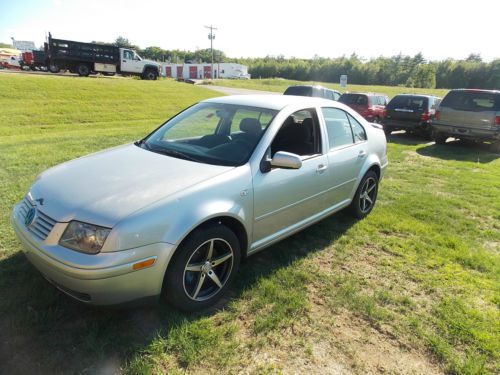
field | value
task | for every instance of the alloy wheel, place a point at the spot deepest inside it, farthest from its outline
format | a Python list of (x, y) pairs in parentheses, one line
[(367, 195), (208, 269)]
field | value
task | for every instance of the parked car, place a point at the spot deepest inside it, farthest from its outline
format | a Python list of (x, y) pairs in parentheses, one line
[(316, 91), (469, 114), (174, 213), (369, 105), (411, 112)]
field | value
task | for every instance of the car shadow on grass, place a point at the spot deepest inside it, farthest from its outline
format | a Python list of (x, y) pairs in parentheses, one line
[(460, 150), (46, 332), (407, 139)]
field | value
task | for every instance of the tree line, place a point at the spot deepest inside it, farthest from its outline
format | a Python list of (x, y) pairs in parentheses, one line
[(399, 70)]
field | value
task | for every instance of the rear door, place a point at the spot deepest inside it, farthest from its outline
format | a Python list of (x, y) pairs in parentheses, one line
[(469, 109), (347, 151)]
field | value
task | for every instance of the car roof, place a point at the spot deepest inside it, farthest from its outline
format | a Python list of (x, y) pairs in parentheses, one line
[(269, 101), (477, 90), (363, 93), (424, 95)]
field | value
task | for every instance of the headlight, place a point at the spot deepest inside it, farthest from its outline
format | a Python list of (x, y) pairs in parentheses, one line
[(87, 238)]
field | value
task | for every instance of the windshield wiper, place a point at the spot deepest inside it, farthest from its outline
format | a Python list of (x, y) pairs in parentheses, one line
[(174, 153)]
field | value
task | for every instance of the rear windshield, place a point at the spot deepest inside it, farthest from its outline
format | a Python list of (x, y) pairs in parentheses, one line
[(476, 101), (408, 102), (299, 91), (354, 99)]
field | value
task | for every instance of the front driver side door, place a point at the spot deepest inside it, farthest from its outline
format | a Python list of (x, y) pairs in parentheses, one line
[(287, 198)]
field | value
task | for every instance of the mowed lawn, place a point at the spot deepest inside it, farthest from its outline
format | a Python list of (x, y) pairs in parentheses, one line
[(280, 85), (413, 288)]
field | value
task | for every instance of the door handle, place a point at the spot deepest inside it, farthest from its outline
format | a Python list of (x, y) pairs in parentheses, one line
[(124, 60), (321, 168), (362, 154)]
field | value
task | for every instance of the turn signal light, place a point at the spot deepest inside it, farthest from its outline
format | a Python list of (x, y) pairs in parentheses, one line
[(144, 264)]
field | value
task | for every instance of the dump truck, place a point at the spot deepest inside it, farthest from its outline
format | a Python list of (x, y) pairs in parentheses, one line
[(90, 58)]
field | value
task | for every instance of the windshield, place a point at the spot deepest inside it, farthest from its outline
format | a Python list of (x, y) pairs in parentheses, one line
[(358, 99), (213, 133)]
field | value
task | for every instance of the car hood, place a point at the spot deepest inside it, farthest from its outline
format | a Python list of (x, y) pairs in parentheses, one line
[(105, 187)]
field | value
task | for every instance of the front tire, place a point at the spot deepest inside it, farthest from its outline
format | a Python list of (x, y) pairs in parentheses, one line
[(365, 197), (150, 75), (203, 268), (54, 68)]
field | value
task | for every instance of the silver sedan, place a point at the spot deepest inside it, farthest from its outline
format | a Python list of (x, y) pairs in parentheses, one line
[(172, 214)]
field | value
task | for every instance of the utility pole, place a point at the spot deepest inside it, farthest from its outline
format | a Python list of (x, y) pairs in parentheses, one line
[(211, 36)]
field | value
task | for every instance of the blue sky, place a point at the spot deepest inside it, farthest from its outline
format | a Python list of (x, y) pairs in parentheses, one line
[(438, 29)]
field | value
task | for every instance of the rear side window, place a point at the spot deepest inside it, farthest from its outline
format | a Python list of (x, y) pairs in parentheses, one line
[(476, 101), (299, 91), (337, 127), (354, 99), (357, 130)]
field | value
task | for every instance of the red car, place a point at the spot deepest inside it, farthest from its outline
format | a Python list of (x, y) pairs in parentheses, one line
[(369, 105)]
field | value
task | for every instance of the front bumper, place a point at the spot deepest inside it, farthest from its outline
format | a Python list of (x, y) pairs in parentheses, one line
[(100, 279)]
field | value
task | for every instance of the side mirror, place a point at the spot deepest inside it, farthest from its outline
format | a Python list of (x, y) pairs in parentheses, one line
[(287, 160)]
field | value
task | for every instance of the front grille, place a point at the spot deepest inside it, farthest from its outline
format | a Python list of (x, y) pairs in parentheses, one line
[(41, 225)]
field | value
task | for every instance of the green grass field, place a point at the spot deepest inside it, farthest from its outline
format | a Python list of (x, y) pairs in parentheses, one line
[(413, 288), (280, 85)]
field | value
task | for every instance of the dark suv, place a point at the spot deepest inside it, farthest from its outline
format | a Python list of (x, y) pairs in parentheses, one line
[(469, 114), (411, 112), (316, 91), (369, 105)]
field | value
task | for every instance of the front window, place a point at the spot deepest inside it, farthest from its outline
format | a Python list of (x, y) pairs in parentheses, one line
[(213, 133), (128, 55)]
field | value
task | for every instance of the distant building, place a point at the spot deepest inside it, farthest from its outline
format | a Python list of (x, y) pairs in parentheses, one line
[(24, 45), (202, 71)]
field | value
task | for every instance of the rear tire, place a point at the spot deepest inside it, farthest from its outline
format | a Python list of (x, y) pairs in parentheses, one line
[(83, 70), (365, 197), (202, 268)]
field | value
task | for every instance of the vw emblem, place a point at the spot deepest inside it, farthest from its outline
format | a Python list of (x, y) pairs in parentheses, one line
[(30, 216)]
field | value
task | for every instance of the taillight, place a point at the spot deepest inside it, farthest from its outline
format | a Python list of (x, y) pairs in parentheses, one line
[(425, 116), (437, 116), (384, 114), (497, 120), (368, 111)]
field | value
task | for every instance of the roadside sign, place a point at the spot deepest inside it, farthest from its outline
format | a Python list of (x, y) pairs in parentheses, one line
[(343, 80)]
